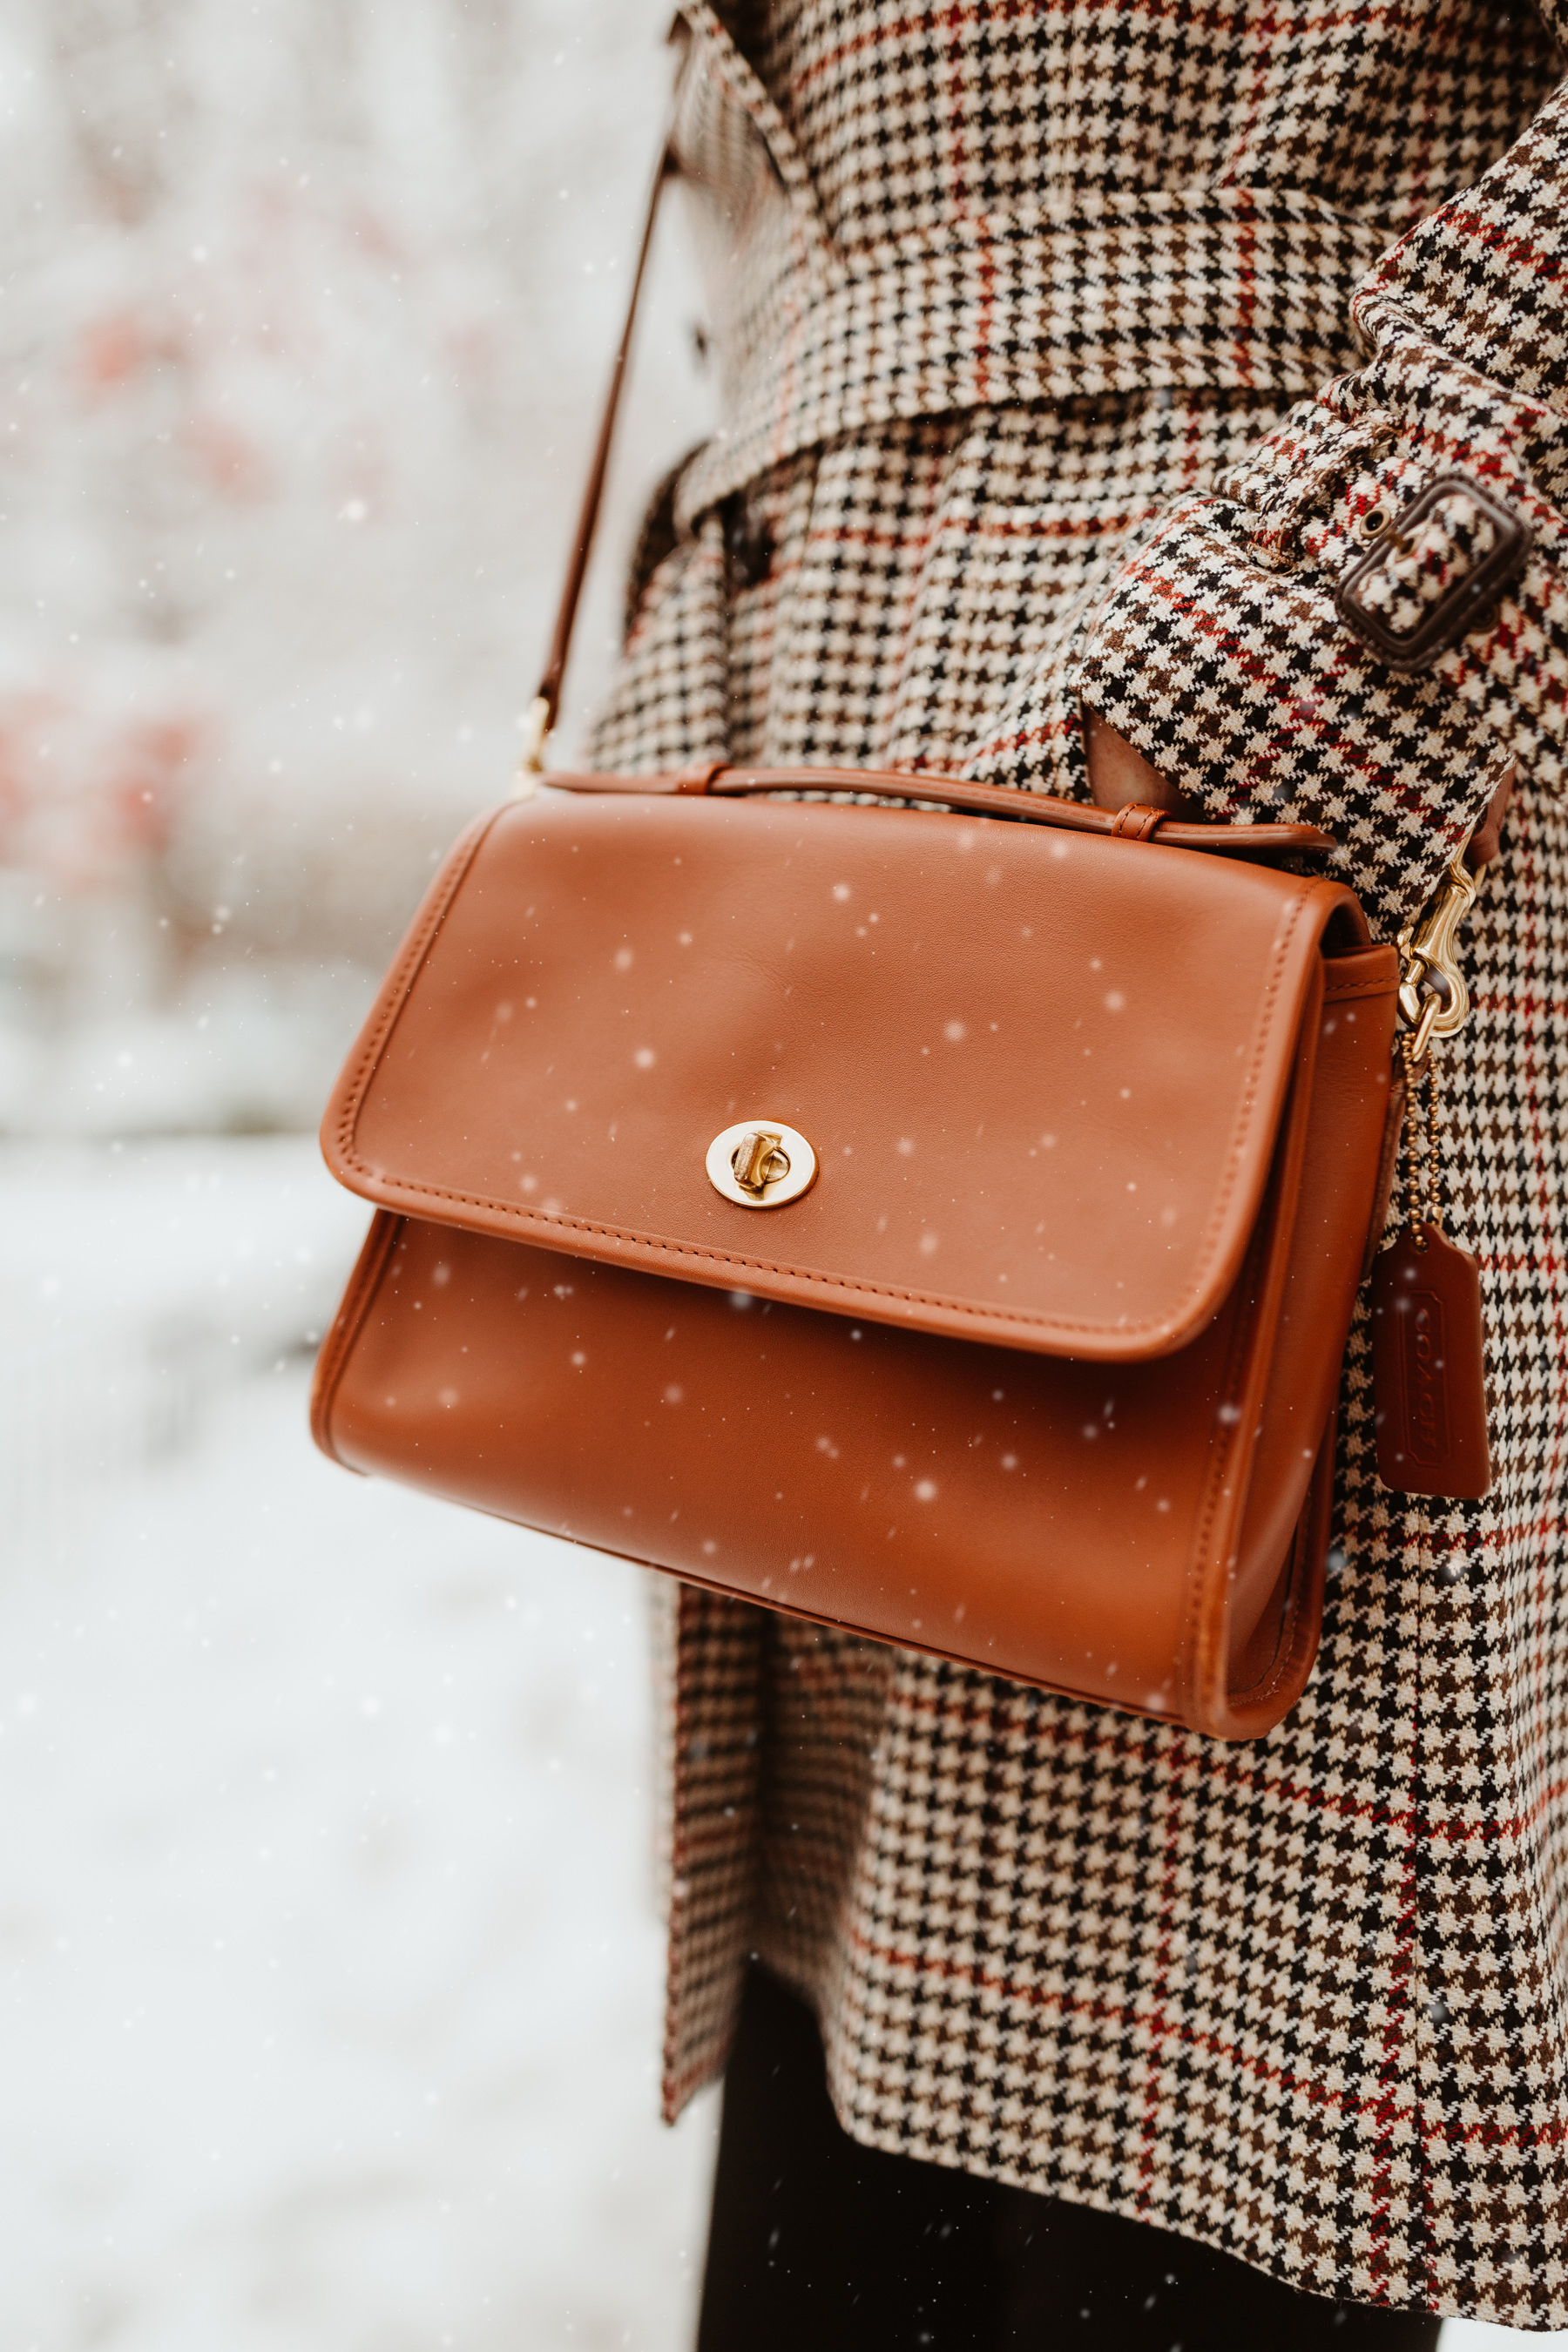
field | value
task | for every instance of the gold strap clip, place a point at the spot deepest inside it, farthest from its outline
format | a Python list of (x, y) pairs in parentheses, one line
[(530, 758), (1433, 1001)]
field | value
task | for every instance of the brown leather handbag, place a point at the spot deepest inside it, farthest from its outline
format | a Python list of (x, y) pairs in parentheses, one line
[(941, 1221)]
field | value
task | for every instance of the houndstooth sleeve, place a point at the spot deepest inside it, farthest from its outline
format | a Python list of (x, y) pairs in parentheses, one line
[(1369, 613)]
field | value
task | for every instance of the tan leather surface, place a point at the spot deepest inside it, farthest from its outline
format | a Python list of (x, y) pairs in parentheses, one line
[(1299, 1357), (1075, 1087), (1142, 1525), (1063, 1523), (1033, 1529), (1043, 1073), (879, 1477)]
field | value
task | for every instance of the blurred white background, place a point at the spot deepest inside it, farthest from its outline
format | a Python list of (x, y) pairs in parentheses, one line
[(306, 310), (328, 1964), (329, 1961)]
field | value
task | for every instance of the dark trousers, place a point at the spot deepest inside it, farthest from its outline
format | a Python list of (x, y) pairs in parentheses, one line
[(819, 2243)]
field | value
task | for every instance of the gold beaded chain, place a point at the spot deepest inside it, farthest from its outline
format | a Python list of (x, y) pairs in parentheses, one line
[(1422, 1158)]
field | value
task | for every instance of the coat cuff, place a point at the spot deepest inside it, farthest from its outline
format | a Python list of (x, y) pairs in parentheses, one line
[(1360, 623)]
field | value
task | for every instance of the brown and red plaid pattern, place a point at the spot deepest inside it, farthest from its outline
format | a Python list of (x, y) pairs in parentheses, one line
[(1037, 323)]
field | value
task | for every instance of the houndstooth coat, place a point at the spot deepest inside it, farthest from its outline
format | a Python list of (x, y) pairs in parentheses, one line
[(1067, 347)]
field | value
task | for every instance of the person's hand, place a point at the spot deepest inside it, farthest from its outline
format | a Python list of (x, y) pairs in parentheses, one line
[(1118, 771)]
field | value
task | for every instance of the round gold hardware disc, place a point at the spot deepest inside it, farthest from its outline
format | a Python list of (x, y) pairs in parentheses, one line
[(760, 1164)]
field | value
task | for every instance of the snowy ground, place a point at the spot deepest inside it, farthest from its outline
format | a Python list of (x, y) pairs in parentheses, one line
[(329, 1974)]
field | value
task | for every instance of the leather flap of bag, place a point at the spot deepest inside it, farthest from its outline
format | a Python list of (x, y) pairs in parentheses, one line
[(1041, 1072)]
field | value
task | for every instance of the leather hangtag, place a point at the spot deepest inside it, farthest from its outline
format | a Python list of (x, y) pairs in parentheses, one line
[(1428, 1371)]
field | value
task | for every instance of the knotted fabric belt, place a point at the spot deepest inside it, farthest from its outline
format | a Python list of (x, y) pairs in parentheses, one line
[(1230, 288)]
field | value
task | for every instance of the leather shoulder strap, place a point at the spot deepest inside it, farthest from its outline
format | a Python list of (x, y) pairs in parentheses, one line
[(547, 701)]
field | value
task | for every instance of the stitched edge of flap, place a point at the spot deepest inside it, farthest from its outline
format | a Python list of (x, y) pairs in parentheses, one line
[(933, 1311)]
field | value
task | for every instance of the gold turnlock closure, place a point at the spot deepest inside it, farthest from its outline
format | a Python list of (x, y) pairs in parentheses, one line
[(758, 1161), (760, 1164), (1433, 1001)]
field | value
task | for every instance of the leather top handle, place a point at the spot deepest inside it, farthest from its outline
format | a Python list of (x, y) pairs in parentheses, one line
[(957, 792)]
